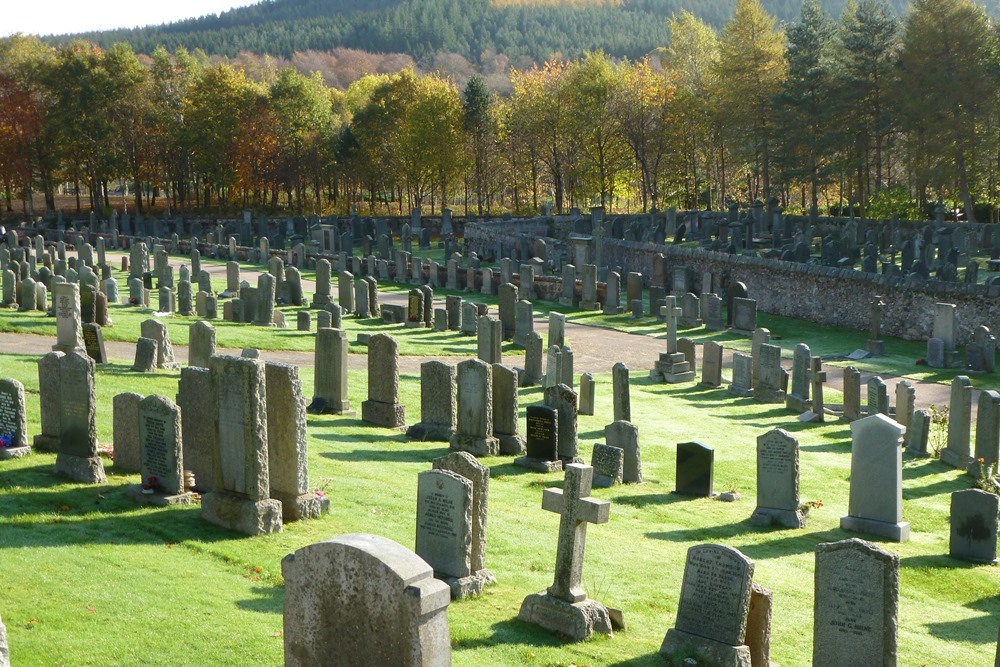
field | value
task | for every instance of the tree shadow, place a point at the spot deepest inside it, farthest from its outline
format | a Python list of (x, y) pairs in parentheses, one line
[(651, 499), (396, 455)]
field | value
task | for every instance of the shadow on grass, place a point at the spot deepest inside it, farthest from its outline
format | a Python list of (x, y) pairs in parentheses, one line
[(268, 600), (651, 660), (651, 499), (398, 455), (512, 632), (979, 630)]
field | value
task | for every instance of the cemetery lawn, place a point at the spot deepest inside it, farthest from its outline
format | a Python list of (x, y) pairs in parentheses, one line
[(94, 579)]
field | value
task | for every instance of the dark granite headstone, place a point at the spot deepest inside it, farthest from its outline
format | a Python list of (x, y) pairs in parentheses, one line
[(695, 467), (542, 433)]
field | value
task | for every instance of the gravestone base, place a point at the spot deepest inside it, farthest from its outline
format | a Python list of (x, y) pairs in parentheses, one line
[(705, 650), (475, 445), (511, 445), (301, 506), (770, 516), (538, 465), (566, 301), (672, 369), (576, 620), (875, 348), (390, 415), (320, 301), (263, 323), (690, 322), (45, 443), (86, 470), (14, 452), (590, 305), (742, 392), (798, 404), (410, 324), (897, 532), (323, 406), (241, 514), (809, 416), (425, 431), (474, 584), (157, 499), (952, 458), (171, 366), (768, 395), (613, 310), (741, 332)]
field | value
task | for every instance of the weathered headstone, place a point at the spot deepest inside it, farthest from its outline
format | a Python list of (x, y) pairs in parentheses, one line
[(876, 495), (957, 453), (564, 606), (974, 516), (564, 399), (505, 411), (383, 407), (856, 605), (987, 432), (196, 399), (66, 304), (489, 339), (13, 422), (711, 364), (398, 609), (778, 481), (625, 436), (161, 469), (608, 462), (201, 344), (474, 426), (742, 384), (157, 331), (330, 374), (852, 394), (241, 495), (797, 398), (918, 432), (711, 621), (437, 403), (78, 458), (126, 431)]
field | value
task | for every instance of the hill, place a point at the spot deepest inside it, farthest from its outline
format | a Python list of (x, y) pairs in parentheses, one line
[(535, 29)]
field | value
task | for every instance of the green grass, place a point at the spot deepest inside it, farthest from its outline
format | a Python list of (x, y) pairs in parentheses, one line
[(95, 580)]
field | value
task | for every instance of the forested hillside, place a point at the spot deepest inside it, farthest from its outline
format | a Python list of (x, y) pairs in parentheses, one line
[(532, 28)]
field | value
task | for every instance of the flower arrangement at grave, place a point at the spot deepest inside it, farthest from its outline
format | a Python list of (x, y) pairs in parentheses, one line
[(6, 440), (150, 485)]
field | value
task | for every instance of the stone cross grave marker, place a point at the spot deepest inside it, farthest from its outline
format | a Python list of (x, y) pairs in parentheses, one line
[(564, 606)]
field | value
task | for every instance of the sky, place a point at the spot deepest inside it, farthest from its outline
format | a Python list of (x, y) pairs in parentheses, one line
[(58, 17)]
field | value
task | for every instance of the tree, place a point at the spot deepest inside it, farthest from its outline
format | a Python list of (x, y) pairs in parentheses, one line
[(806, 100), (949, 54), (480, 130), (751, 68)]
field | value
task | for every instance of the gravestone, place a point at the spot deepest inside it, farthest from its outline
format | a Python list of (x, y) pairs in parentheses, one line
[(196, 399), (286, 444), (690, 317), (906, 395), (974, 516), (944, 330), (145, 355), (586, 406), (711, 621), (625, 436), (564, 606), (855, 605), (524, 322), (541, 440), (125, 409), (695, 469), (77, 457), (489, 339), (93, 342), (742, 384), (13, 422), (474, 408), (711, 364), (672, 365), (157, 331), (161, 470), (532, 374), (778, 481), (957, 453), (201, 344), (330, 374), (563, 399), (241, 496), (66, 305), (987, 432), (557, 329), (876, 495), (767, 385), (711, 312), (622, 409), (852, 394), (878, 396), (744, 316), (918, 432), (505, 411), (321, 298), (507, 310), (383, 407), (797, 398), (437, 403), (608, 463), (398, 610)]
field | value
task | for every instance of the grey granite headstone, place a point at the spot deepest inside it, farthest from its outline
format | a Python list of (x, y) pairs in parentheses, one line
[(876, 495), (330, 374), (199, 437), (161, 472), (918, 432), (383, 407), (957, 453), (49, 399), (778, 481), (126, 431), (201, 344), (157, 331), (608, 462), (505, 410), (13, 422), (987, 432), (625, 436), (855, 605), (78, 458), (398, 609), (974, 516), (563, 399), (474, 424), (711, 364), (437, 403)]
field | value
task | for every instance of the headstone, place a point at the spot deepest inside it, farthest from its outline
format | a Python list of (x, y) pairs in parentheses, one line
[(93, 342), (78, 458), (905, 398), (241, 495), (564, 606), (856, 605), (145, 355), (711, 621), (957, 453), (742, 384), (505, 411), (852, 394), (489, 339), (711, 360), (541, 440), (13, 422), (767, 386), (161, 472), (330, 374), (625, 436), (383, 407), (987, 433), (695, 469), (507, 310), (474, 426), (778, 481), (49, 391), (608, 463), (620, 392), (398, 610), (157, 331), (532, 374), (797, 398), (974, 515), (66, 304), (876, 495), (437, 403), (468, 467), (878, 397), (196, 400), (918, 432), (744, 316), (286, 444)]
